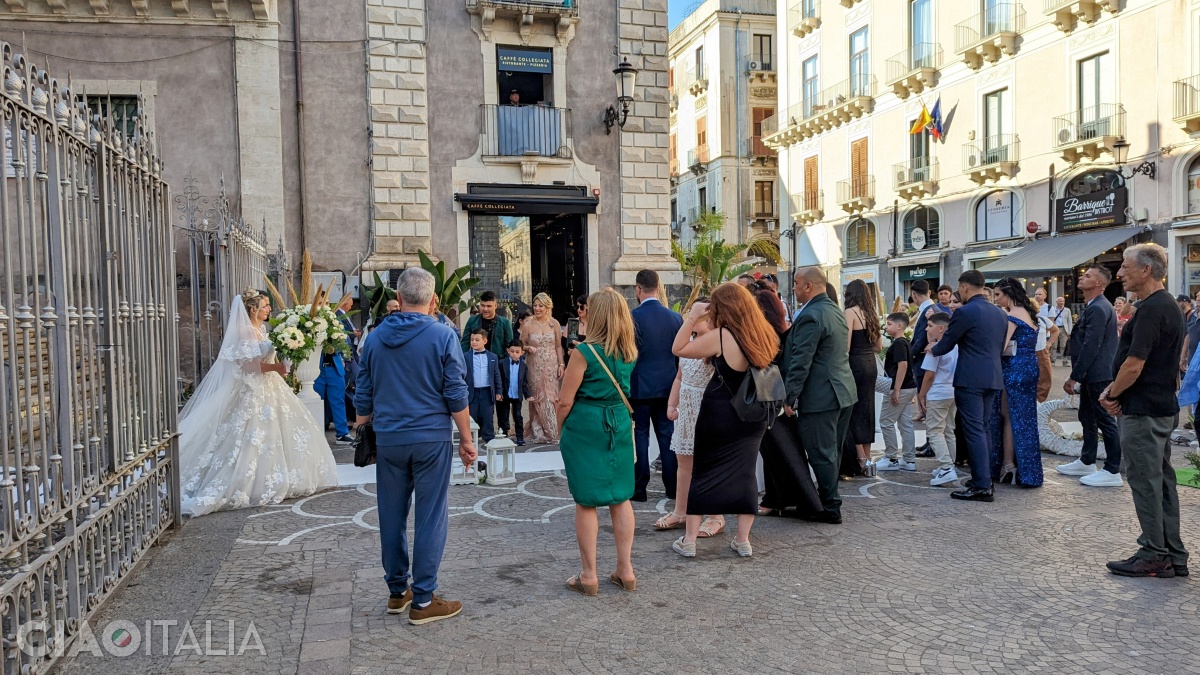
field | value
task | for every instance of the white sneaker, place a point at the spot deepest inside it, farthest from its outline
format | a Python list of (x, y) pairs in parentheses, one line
[(887, 464), (908, 466), (1102, 478), (1076, 468), (944, 476)]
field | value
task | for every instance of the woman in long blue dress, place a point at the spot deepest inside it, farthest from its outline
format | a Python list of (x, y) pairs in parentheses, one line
[(1016, 451)]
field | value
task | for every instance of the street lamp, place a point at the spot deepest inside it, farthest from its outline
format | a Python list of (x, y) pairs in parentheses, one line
[(1121, 155), (626, 81)]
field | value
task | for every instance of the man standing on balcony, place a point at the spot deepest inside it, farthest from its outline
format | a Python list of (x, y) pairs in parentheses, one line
[(514, 98)]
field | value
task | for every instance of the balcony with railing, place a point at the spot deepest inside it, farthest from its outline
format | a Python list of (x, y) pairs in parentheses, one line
[(913, 70), (561, 16), (673, 164), (809, 206), (759, 209), (1089, 132), (804, 17), (1187, 104), (856, 194), (831, 108), (990, 34), (527, 130), (693, 82), (915, 178), (696, 213), (759, 149), (991, 158), (697, 159), (1066, 14), (761, 67)]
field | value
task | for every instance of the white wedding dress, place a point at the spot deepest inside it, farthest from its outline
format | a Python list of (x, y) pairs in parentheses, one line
[(244, 438)]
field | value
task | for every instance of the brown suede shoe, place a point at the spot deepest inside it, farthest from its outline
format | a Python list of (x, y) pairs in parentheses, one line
[(435, 611), (398, 605)]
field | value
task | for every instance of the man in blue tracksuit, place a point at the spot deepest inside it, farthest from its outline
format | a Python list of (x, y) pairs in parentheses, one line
[(411, 384)]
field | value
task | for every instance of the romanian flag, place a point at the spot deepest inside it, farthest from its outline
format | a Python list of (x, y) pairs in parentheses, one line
[(923, 121), (935, 121)]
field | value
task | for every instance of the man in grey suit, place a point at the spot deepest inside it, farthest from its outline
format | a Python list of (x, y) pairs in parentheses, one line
[(820, 386)]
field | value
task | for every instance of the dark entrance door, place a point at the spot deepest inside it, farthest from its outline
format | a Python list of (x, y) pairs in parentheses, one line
[(558, 262), (518, 257)]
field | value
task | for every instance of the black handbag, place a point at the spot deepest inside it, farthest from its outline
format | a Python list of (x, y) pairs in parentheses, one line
[(364, 445), (760, 396)]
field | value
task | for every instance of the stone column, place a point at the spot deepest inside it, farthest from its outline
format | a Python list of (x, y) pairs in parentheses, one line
[(399, 123), (645, 191), (260, 134)]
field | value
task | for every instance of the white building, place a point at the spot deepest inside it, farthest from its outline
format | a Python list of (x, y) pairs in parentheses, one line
[(723, 84), (1036, 99)]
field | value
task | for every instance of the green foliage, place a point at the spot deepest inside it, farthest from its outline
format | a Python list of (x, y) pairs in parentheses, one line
[(450, 290), (711, 262), (1193, 458), (375, 298)]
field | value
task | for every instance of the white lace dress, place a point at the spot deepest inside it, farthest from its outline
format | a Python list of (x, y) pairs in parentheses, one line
[(250, 441), (696, 374)]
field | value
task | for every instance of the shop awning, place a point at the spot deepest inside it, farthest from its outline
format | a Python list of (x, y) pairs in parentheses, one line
[(526, 200), (928, 259), (1055, 255)]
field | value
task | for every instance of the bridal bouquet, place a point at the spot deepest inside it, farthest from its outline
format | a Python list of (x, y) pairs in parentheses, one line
[(297, 331)]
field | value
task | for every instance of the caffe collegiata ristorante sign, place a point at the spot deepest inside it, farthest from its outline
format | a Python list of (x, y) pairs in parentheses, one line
[(1098, 209)]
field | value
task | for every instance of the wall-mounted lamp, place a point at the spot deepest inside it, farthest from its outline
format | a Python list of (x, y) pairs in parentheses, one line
[(1121, 155), (626, 81)]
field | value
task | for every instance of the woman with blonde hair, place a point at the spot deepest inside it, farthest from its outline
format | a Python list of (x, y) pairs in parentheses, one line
[(597, 437), (544, 357), (726, 448)]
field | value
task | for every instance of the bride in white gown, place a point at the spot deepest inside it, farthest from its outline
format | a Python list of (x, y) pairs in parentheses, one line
[(244, 438)]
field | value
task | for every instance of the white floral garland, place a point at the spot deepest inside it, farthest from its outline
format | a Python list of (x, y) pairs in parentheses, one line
[(1053, 438)]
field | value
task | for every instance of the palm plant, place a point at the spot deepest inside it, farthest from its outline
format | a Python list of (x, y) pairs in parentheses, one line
[(711, 262), (450, 290), (376, 297)]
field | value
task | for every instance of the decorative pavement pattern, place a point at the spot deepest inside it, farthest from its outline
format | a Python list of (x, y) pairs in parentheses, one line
[(912, 582)]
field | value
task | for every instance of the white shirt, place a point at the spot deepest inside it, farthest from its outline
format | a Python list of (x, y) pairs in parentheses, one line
[(479, 364), (925, 305), (1057, 314), (645, 300), (942, 367), (1044, 310)]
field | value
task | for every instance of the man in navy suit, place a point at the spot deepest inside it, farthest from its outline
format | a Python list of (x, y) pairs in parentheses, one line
[(650, 383), (1093, 347), (979, 329)]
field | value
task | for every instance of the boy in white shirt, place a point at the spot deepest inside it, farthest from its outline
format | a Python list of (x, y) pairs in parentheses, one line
[(936, 399)]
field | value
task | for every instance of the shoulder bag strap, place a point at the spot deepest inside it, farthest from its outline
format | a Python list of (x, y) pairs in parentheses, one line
[(610, 376)]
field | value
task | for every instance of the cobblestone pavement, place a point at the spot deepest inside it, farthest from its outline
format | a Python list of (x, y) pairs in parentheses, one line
[(912, 582)]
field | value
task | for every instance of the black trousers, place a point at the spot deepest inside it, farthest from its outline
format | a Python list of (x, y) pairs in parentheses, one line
[(503, 407), (1096, 422), (974, 406), (645, 412), (483, 408)]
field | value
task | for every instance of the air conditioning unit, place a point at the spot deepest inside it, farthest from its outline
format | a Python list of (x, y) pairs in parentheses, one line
[(901, 177), (1066, 135), (754, 65), (974, 160)]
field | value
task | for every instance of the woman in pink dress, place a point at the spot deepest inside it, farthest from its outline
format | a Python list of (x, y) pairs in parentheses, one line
[(542, 337)]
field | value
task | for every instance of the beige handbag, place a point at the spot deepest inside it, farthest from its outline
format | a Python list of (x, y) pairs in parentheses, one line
[(632, 424)]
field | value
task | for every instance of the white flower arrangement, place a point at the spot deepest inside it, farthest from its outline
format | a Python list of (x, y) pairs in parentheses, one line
[(298, 331)]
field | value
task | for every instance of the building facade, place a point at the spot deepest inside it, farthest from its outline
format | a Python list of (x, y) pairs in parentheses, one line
[(366, 131), (1034, 102), (723, 85)]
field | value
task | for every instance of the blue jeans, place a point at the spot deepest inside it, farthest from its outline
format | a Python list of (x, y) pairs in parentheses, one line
[(330, 385), (399, 471), (974, 405)]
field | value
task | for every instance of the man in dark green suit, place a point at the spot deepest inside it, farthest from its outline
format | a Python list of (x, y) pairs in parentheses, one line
[(820, 387), (499, 330)]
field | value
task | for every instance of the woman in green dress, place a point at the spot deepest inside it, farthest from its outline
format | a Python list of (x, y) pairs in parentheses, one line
[(597, 437)]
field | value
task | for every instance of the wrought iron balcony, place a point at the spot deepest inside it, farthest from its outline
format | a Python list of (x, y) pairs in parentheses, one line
[(989, 34), (1187, 103), (674, 101), (809, 206), (991, 158), (560, 15), (761, 66), (804, 17), (912, 70), (856, 194), (759, 208), (515, 131), (759, 149), (698, 158), (1090, 131), (915, 178), (696, 213), (1066, 14), (831, 108)]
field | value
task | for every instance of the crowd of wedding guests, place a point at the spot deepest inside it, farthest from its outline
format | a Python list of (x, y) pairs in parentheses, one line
[(973, 371)]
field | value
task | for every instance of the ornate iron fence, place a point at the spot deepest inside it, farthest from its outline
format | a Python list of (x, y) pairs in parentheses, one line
[(88, 451), (226, 255)]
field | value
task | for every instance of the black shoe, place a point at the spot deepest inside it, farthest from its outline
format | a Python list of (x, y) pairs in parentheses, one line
[(926, 452), (345, 440), (1140, 567), (973, 494), (520, 441), (638, 498), (1181, 570), (827, 517)]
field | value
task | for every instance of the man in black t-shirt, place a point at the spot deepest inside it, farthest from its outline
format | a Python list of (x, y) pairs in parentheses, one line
[(1146, 377), (897, 366)]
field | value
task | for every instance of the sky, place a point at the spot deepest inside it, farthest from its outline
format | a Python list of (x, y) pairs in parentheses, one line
[(677, 9)]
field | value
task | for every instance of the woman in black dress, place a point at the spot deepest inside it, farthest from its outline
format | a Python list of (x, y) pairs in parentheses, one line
[(866, 340), (726, 448)]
